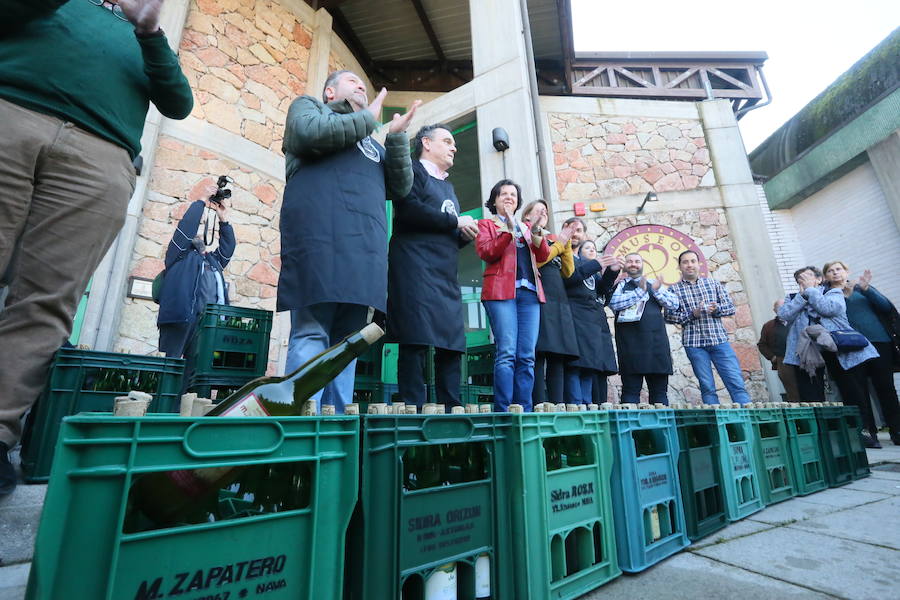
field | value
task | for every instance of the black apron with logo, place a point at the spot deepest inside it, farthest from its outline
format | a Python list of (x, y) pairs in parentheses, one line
[(587, 293), (334, 231), (644, 345), (557, 331), (424, 300)]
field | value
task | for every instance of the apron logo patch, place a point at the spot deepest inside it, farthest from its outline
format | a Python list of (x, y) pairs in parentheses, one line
[(590, 283), (368, 149), (448, 207)]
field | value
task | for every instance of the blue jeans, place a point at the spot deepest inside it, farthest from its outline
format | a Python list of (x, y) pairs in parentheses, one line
[(723, 356), (515, 324), (316, 328), (579, 384)]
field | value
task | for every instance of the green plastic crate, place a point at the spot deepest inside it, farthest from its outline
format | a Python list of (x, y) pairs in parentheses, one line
[(807, 467), (853, 423), (773, 455), (89, 381), (83, 553), (233, 342), (207, 386), (646, 489), (477, 394), (480, 365), (834, 441), (699, 472), (560, 505), (740, 471), (400, 537)]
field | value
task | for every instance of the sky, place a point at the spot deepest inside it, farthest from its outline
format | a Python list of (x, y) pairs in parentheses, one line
[(809, 43)]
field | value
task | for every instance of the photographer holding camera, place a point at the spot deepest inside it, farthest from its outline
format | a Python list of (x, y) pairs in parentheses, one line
[(193, 279)]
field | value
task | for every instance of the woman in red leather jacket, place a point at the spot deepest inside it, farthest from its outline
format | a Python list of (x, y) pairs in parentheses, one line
[(512, 293)]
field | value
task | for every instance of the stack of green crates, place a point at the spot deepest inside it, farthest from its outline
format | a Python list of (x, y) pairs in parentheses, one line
[(737, 461), (807, 469), (286, 542), (645, 487), (773, 455), (853, 423), (834, 442), (432, 508), (480, 365), (89, 381), (232, 347), (699, 472), (563, 541)]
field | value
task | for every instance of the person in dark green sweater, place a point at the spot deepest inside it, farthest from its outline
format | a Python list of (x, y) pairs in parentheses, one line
[(76, 80)]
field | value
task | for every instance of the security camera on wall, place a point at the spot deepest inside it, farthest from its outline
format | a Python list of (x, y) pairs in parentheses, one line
[(500, 139)]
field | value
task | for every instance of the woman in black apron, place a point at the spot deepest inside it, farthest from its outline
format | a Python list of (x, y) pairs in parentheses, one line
[(588, 292), (556, 343)]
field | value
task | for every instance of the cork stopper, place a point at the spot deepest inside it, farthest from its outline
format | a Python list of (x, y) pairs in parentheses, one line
[(516, 408), (371, 333), (328, 410), (644, 406), (377, 408), (582, 408), (125, 406), (660, 406), (485, 408), (412, 409), (187, 404), (309, 409), (538, 408), (351, 409), (571, 408), (471, 409), (607, 406), (561, 407), (431, 409), (593, 406), (399, 408), (628, 406), (457, 410)]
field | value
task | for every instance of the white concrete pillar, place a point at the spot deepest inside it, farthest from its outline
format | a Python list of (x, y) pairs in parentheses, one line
[(502, 95), (319, 52), (745, 219)]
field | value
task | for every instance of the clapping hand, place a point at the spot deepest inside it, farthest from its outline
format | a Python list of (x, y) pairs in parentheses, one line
[(806, 280), (467, 226), (865, 279), (143, 14), (375, 105), (400, 123)]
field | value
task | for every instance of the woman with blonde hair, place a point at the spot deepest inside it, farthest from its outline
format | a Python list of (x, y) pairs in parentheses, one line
[(868, 311)]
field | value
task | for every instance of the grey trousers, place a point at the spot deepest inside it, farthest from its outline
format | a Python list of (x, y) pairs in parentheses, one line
[(63, 197)]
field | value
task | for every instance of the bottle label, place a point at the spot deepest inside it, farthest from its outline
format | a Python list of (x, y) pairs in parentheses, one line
[(441, 585), (483, 576), (247, 407)]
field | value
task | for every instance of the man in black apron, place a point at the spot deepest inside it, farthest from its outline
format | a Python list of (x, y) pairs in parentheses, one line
[(424, 302), (641, 339), (333, 222)]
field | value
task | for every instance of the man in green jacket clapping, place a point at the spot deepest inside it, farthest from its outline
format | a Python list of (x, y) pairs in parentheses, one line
[(333, 221)]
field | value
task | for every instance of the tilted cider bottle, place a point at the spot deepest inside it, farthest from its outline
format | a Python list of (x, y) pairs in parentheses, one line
[(165, 497)]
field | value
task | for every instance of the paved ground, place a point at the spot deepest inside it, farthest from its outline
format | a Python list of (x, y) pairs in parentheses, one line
[(838, 543)]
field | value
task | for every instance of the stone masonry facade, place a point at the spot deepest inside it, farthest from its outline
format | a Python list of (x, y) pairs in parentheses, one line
[(599, 157)]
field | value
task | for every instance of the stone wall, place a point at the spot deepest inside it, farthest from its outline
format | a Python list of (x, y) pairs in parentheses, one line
[(599, 157), (246, 62), (184, 173)]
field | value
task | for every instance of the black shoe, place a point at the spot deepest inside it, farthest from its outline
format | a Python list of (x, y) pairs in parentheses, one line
[(869, 440), (895, 438), (7, 472)]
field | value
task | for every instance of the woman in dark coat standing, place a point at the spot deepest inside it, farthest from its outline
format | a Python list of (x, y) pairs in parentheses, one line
[(588, 291), (556, 342)]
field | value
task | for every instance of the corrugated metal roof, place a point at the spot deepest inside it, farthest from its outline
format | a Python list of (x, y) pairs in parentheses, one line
[(545, 34)]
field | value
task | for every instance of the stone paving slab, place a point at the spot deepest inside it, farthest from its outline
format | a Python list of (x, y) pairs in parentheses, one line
[(20, 513), (842, 497), (876, 523), (13, 581), (730, 532), (889, 471), (875, 484), (796, 509), (843, 568), (687, 576)]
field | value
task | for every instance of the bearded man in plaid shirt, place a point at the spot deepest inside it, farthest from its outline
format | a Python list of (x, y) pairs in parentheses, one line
[(702, 304)]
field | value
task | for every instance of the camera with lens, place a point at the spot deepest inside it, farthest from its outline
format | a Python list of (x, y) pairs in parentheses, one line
[(222, 191)]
